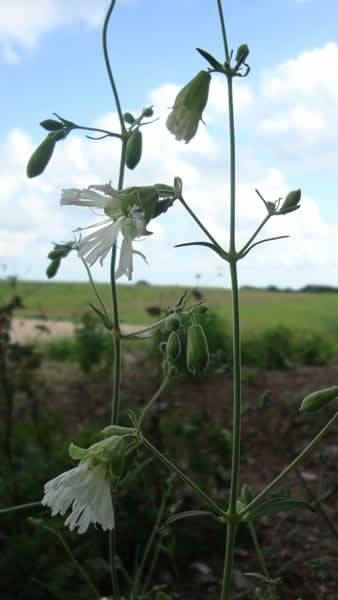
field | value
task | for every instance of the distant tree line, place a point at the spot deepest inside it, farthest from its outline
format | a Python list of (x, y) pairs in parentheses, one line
[(306, 289)]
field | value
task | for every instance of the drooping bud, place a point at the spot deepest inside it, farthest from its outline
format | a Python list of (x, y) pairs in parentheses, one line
[(189, 104), (134, 149), (41, 157), (53, 268), (197, 349), (173, 348), (291, 202), (60, 250), (317, 400)]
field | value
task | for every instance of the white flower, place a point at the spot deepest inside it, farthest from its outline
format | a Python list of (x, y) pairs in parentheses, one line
[(95, 246), (86, 489)]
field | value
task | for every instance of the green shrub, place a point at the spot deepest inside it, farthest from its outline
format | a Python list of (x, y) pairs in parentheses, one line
[(314, 349)]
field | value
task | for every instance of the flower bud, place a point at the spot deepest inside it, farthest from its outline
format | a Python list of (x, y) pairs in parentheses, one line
[(148, 112), (317, 400), (41, 157), (291, 202), (134, 149), (189, 104), (129, 118), (242, 54), (173, 349), (52, 125), (53, 267), (197, 349), (173, 323)]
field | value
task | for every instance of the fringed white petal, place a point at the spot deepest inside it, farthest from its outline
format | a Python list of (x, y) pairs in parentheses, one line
[(96, 245), (86, 490)]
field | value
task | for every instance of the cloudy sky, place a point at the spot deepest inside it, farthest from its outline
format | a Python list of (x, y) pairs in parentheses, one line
[(286, 121)]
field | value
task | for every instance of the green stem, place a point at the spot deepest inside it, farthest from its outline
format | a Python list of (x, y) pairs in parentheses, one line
[(97, 130), (116, 332), (77, 564), (258, 549), (152, 401), (236, 441), (95, 290), (149, 545), (146, 330), (19, 507), (214, 507), (196, 219), (108, 67), (301, 456), (224, 35), (254, 235)]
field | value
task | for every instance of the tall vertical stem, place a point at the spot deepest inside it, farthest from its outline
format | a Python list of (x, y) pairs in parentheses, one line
[(116, 330), (236, 443)]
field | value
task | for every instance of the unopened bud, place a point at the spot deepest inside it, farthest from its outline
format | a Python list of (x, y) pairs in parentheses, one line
[(291, 202), (129, 118), (173, 323), (197, 349), (189, 105), (317, 400), (134, 149), (41, 157), (242, 54), (148, 112), (173, 349)]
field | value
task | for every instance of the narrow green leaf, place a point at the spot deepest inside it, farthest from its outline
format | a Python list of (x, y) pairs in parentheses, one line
[(187, 515), (210, 59), (206, 244), (275, 506)]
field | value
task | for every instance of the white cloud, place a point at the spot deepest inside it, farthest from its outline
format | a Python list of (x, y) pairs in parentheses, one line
[(296, 110), (32, 217), (23, 22)]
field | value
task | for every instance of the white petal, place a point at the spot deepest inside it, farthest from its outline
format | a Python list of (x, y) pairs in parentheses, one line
[(126, 259), (86, 490), (96, 245)]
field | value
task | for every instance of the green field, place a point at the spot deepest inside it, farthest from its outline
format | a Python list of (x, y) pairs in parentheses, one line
[(259, 309)]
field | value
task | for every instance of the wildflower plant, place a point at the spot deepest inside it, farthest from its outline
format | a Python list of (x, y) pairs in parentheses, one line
[(90, 490)]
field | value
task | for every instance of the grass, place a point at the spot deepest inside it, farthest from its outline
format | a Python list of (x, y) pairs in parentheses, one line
[(260, 309)]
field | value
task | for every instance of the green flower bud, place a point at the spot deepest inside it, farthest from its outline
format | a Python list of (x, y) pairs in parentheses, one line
[(129, 118), (60, 251), (148, 112), (197, 349), (173, 323), (246, 494), (134, 149), (53, 267), (187, 111), (291, 202), (41, 157), (317, 400), (200, 309), (242, 54), (173, 349), (52, 125)]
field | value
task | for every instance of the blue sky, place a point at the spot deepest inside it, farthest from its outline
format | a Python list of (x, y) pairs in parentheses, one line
[(286, 117)]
